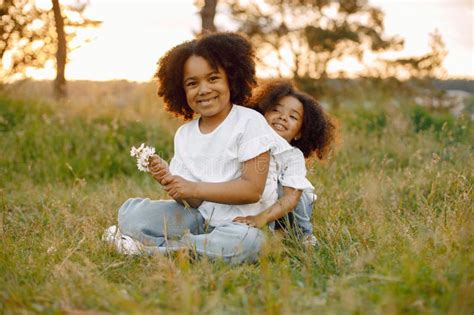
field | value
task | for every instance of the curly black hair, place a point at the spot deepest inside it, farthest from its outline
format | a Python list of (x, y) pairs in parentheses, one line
[(231, 51), (318, 130)]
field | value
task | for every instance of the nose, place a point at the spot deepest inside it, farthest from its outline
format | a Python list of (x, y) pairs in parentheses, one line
[(203, 88), (282, 116)]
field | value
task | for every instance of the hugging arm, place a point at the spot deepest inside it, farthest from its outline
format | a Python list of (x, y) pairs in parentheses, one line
[(280, 208)]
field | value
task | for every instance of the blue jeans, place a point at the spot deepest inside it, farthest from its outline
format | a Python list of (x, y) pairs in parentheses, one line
[(300, 217), (165, 225), (303, 212)]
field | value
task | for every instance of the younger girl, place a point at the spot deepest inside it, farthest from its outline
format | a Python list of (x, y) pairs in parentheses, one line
[(301, 121), (221, 164)]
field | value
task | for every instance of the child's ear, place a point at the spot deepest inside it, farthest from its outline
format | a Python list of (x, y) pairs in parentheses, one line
[(298, 136)]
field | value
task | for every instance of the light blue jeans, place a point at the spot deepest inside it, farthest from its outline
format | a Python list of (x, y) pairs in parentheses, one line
[(303, 212), (301, 215), (166, 226)]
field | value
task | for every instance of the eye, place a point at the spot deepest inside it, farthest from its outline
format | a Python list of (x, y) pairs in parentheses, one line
[(293, 117), (213, 78), (190, 84)]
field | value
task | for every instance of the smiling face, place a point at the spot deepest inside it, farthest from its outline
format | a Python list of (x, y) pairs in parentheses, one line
[(207, 89), (286, 117)]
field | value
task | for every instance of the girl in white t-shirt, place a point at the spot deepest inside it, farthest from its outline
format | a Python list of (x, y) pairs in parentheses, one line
[(301, 121), (221, 165)]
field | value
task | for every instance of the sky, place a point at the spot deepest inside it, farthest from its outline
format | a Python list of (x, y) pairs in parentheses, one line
[(135, 33)]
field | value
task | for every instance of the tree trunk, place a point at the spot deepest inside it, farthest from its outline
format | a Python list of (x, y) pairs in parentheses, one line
[(208, 12), (61, 53)]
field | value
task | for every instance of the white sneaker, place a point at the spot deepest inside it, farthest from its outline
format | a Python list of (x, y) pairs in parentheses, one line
[(124, 244), (128, 246), (310, 240), (110, 234)]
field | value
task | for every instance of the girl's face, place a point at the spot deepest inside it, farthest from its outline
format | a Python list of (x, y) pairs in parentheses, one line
[(286, 117), (207, 90)]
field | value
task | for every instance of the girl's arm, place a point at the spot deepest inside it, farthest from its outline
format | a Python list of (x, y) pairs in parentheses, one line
[(280, 208), (247, 189)]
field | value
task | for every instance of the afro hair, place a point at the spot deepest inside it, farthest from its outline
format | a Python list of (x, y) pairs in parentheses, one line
[(231, 51), (318, 130)]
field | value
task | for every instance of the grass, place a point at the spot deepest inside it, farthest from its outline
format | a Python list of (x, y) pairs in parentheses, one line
[(394, 217)]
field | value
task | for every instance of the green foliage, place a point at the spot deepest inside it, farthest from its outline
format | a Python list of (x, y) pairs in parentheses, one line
[(10, 116), (443, 125), (393, 218), (50, 148), (423, 120), (367, 120)]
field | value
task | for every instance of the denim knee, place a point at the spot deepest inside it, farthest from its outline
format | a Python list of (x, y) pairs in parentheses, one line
[(125, 213), (303, 212), (234, 243)]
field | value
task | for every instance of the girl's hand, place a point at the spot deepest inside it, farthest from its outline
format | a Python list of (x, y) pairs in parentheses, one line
[(158, 168), (257, 221), (179, 188)]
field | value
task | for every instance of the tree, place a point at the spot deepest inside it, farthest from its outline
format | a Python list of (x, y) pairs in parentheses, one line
[(305, 35), (427, 66), (61, 52), (208, 13), (32, 37)]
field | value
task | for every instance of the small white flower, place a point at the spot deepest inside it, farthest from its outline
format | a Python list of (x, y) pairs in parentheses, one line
[(142, 153), (51, 250)]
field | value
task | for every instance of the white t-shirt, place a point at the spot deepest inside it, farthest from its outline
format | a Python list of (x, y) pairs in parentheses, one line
[(291, 169), (217, 156)]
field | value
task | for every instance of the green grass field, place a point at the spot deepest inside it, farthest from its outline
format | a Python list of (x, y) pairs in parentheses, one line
[(394, 217)]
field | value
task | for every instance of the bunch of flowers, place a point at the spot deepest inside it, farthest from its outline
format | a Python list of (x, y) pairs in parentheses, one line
[(142, 153)]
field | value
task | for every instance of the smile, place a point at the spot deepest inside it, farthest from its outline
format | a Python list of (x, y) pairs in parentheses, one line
[(278, 127), (206, 101)]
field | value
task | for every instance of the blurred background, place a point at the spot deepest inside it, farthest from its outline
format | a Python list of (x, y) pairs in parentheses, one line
[(320, 43)]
